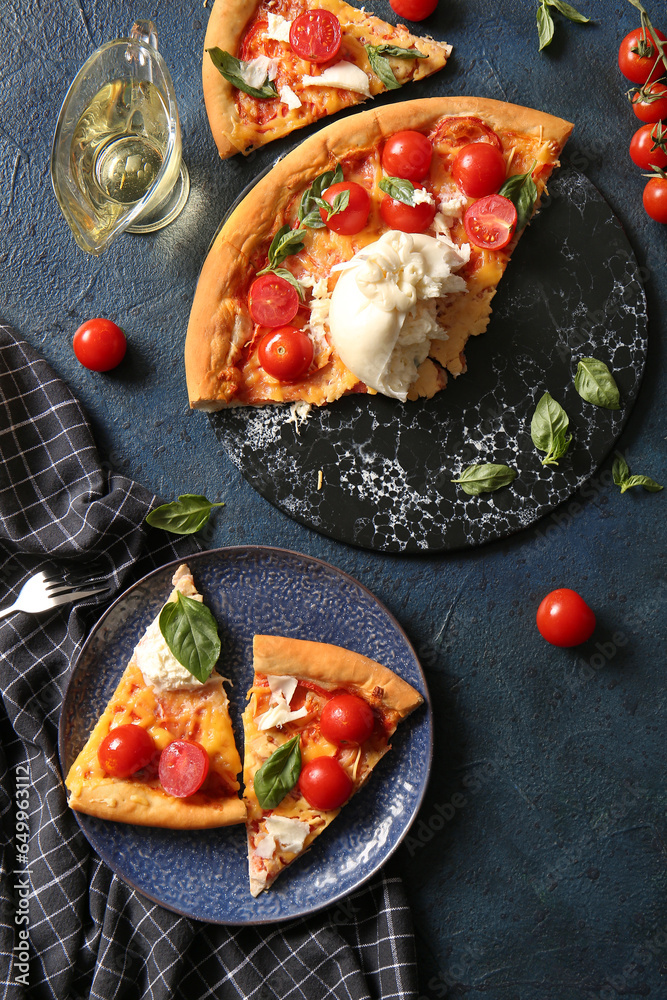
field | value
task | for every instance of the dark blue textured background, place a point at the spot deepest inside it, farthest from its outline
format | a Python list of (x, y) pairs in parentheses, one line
[(537, 867)]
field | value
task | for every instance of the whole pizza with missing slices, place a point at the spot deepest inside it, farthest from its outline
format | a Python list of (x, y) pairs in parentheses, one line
[(272, 66), (366, 257)]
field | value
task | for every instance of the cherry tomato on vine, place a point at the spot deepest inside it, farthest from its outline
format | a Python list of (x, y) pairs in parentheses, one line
[(408, 218), (407, 154), (641, 147), (347, 718), (183, 768), (490, 222), (479, 169), (638, 68), (285, 353), (124, 750), (354, 217), (655, 199), (324, 783), (315, 35), (99, 345), (564, 619), (272, 300), (413, 10), (650, 103)]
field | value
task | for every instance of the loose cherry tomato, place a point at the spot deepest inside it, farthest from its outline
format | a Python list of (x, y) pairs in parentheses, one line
[(124, 750), (638, 68), (564, 618), (490, 222), (641, 146), (183, 768), (479, 169), (353, 218), (99, 345), (408, 218), (315, 35), (272, 300), (650, 103), (413, 10), (347, 718), (285, 353), (324, 783), (407, 154), (655, 199)]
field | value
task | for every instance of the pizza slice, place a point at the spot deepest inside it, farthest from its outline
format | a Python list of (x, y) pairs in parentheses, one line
[(318, 720), (365, 259), (272, 66), (162, 729)]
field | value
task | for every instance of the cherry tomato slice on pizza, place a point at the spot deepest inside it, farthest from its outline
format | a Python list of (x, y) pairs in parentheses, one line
[(407, 154), (490, 222), (347, 718), (99, 345), (315, 35), (479, 169), (124, 750), (183, 768), (564, 619), (272, 300), (408, 218), (324, 784), (285, 353), (650, 103), (354, 216), (638, 68)]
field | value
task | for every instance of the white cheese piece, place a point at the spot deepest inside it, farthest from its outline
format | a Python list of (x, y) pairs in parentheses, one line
[(452, 203), (344, 74), (288, 97), (278, 713), (278, 28), (382, 316), (255, 71), (288, 832), (160, 668), (423, 197)]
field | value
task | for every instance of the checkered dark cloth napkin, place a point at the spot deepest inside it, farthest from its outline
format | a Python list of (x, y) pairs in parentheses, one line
[(85, 932)]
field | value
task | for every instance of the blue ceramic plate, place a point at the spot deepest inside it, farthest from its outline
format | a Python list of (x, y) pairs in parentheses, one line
[(203, 874)]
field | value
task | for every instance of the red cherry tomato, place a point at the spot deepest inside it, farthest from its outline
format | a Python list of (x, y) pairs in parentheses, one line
[(490, 222), (272, 300), (413, 10), (651, 104), (655, 199), (124, 750), (479, 169), (407, 218), (640, 69), (183, 768), (99, 345), (407, 154), (346, 718), (315, 35), (641, 147), (285, 353), (324, 783), (564, 618), (353, 218)]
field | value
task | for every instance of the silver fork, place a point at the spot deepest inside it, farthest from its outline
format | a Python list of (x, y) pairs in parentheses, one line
[(42, 592)]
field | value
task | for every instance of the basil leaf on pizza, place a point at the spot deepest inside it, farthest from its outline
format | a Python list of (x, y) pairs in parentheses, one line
[(279, 774), (309, 207), (183, 516), (286, 242), (399, 189), (190, 631), (522, 192), (233, 70), (378, 58)]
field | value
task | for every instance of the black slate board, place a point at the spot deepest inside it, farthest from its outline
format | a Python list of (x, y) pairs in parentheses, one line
[(572, 290)]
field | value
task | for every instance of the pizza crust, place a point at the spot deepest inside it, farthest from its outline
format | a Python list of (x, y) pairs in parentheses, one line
[(217, 328)]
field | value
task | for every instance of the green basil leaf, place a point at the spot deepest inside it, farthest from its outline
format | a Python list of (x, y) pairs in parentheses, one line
[(286, 242), (548, 429), (522, 192), (190, 631), (478, 479), (183, 516), (619, 470), (381, 67), (399, 189), (279, 774), (230, 67), (308, 214), (645, 481), (545, 26), (595, 383), (567, 10), (288, 276)]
